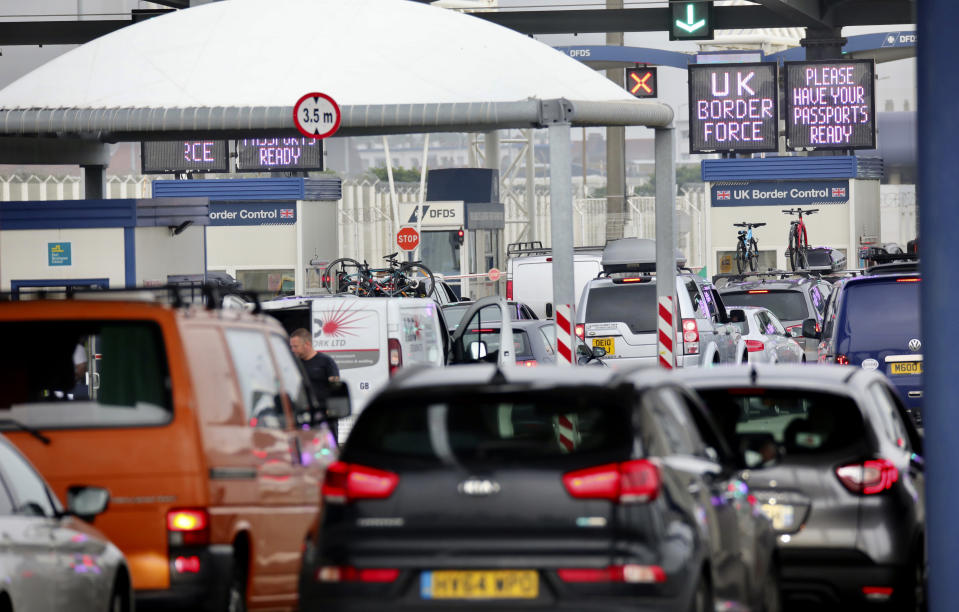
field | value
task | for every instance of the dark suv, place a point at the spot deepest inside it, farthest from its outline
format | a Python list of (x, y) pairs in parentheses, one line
[(792, 297), (846, 495), (472, 488), (872, 322)]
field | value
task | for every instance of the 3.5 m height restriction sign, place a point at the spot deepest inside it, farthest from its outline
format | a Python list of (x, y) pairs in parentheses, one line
[(316, 115)]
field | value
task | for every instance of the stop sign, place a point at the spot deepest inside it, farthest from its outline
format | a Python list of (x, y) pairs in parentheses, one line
[(407, 238)]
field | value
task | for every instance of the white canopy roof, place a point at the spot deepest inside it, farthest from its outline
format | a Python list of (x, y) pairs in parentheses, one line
[(271, 52)]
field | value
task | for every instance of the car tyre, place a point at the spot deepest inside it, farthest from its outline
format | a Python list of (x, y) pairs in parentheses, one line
[(119, 596), (772, 599), (236, 596), (702, 598), (916, 593)]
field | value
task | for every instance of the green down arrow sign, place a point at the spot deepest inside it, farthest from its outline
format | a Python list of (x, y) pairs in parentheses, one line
[(691, 20)]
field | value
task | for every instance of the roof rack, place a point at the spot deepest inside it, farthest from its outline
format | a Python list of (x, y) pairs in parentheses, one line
[(181, 292), (771, 274), (894, 268), (536, 247)]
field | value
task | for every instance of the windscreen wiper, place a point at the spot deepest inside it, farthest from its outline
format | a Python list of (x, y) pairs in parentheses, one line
[(30, 430)]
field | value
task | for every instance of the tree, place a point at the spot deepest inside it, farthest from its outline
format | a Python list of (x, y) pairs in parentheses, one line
[(400, 174), (686, 174)]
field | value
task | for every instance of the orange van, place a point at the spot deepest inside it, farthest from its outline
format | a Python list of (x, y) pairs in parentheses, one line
[(198, 423)]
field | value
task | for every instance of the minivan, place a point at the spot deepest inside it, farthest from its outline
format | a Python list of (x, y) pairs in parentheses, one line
[(196, 421)]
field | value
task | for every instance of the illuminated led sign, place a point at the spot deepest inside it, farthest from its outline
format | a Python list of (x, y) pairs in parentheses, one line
[(733, 107), (830, 104), (175, 156), (278, 154), (641, 82)]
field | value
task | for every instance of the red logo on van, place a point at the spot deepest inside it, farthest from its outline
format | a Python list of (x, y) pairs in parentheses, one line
[(339, 323)]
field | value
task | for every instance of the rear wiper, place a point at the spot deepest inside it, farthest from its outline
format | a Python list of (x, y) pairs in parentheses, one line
[(30, 430)]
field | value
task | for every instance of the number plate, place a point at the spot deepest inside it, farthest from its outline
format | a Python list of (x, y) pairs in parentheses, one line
[(607, 343), (781, 515), (487, 584), (905, 367)]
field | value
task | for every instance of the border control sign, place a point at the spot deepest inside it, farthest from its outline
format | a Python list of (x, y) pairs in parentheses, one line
[(733, 107), (831, 104)]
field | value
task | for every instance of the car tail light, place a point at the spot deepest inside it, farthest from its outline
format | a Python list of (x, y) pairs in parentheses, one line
[(755, 345), (529, 363), (869, 477), (690, 337), (632, 279), (634, 574), (842, 360), (187, 565), (580, 331), (628, 482), (347, 573), (758, 291), (509, 290), (877, 593), (396, 354), (907, 280), (346, 482), (188, 527)]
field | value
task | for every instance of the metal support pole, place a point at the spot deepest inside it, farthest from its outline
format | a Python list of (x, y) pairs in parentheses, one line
[(94, 182), (531, 212), (665, 160), (938, 87), (561, 233)]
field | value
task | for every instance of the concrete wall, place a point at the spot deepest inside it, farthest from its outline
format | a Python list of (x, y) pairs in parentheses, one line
[(95, 253), (251, 246)]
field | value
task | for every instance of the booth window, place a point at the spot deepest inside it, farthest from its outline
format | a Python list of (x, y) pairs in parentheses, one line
[(273, 281), (78, 374)]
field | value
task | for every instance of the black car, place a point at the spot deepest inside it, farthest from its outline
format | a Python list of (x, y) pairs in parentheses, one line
[(845, 492), (472, 488)]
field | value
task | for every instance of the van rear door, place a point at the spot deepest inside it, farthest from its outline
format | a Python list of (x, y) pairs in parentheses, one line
[(621, 318)]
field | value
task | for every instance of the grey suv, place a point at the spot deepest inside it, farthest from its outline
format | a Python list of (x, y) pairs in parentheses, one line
[(792, 297), (845, 490), (618, 313)]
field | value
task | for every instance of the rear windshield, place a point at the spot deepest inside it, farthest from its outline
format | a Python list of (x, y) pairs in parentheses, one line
[(634, 305), (56, 374), (493, 428), (798, 423), (899, 314), (786, 305)]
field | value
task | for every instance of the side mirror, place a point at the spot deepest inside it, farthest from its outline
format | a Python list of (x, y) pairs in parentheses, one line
[(598, 352), (809, 329), (549, 310), (583, 350), (87, 502), (477, 350), (465, 299), (338, 404)]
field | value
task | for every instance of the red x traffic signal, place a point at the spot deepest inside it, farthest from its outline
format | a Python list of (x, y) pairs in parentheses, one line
[(641, 82)]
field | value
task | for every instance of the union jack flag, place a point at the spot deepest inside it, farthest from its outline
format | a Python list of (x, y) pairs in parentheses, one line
[(287, 213), (723, 194), (838, 192)]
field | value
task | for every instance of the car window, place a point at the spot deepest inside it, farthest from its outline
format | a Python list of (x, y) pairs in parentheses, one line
[(696, 298), (549, 336), (892, 425), (788, 305), (491, 336), (898, 315), (634, 305), (79, 374), (291, 377), (492, 428), (797, 422), (258, 379), (739, 319), (675, 424), (30, 493), (777, 327), (818, 297), (717, 306)]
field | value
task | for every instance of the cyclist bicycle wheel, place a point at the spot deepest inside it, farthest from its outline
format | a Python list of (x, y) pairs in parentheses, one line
[(793, 252), (741, 259), (342, 273), (417, 280), (753, 256)]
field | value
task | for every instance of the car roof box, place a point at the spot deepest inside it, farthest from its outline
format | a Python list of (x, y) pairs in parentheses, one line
[(634, 255)]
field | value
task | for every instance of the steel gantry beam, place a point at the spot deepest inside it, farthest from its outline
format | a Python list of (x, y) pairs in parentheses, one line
[(804, 13)]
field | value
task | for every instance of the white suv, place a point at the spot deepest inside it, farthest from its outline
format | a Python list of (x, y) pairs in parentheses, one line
[(618, 313)]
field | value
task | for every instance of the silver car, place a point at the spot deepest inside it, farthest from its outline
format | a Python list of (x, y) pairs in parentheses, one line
[(766, 339), (52, 558)]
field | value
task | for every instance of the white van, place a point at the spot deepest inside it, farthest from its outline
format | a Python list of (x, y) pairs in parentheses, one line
[(369, 337), (529, 274)]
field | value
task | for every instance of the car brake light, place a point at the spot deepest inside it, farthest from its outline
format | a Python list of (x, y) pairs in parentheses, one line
[(526, 362), (690, 337), (758, 291), (396, 354), (754, 345), (188, 527), (346, 482), (509, 290), (187, 565), (580, 331), (842, 360), (869, 477), (614, 573), (907, 280), (628, 482), (877, 593), (351, 574)]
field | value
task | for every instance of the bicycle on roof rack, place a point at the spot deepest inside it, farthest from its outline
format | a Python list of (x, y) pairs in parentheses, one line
[(798, 238), (747, 249), (399, 279)]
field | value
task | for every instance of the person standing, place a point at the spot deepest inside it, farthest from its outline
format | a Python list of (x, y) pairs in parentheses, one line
[(320, 368)]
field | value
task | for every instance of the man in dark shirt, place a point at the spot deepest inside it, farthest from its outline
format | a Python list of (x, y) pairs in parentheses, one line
[(320, 368)]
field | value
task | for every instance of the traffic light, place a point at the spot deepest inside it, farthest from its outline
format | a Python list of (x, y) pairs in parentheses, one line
[(460, 235), (690, 20), (641, 82)]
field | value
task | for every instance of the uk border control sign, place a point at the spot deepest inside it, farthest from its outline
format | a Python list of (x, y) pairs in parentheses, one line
[(831, 104), (316, 115), (733, 107)]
